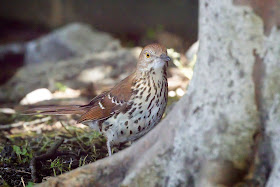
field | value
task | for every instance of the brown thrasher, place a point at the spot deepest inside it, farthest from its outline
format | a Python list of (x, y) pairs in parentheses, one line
[(131, 108)]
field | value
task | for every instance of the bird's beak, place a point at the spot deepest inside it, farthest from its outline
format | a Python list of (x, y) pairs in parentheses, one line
[(165, 57)]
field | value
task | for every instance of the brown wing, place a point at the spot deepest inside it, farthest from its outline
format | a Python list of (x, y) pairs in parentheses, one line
[(109, 103)]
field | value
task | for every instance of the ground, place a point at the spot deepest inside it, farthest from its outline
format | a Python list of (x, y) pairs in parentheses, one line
[(34, 148), (68, 145)]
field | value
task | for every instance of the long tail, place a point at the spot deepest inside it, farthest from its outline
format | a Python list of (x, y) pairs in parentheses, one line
[(55, 110)]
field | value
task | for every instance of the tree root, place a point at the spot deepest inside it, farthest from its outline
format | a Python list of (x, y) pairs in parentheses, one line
[(49, 154)]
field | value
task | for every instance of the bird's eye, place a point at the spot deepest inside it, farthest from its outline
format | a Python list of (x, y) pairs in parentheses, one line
[(148, 55)]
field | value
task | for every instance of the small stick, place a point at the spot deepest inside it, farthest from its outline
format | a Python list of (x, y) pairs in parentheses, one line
[(21, 123), (19, 171), (22, 181), (45, 156)]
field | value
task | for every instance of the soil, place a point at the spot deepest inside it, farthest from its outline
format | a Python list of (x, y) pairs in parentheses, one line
[(19, 146)]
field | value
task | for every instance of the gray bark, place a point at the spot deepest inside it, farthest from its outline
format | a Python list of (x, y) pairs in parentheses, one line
[(271, 100), (225, 129)]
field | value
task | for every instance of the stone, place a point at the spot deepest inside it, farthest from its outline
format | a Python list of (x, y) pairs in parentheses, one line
[(36, 96), (76, 73), (73, 40)]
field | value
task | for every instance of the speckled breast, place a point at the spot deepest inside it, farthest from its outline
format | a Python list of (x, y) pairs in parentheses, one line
[(147, 105)]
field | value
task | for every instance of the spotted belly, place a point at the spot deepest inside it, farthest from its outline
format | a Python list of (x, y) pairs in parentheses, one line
[(128, 128), (147, 108)]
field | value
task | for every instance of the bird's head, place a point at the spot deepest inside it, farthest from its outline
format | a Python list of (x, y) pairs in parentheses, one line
[(152, 56)]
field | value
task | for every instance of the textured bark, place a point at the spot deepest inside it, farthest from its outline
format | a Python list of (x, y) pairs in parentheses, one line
[(271, 101), (224, 130)]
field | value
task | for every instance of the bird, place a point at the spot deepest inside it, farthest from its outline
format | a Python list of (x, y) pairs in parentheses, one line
[(132, 107)]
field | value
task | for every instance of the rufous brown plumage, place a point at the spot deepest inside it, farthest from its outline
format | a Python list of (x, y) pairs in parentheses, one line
[(131, 108)]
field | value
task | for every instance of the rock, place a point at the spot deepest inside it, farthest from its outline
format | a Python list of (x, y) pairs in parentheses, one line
[(75, 73), (14, 48), (36, 96), (70, 41)]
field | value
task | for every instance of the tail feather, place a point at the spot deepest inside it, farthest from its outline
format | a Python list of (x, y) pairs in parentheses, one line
[(55, 110)]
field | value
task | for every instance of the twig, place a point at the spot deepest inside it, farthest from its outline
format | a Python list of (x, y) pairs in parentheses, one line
[(45, 156), (73, 134), (22, 123), (22, 181), (19, 171), (64, 126)]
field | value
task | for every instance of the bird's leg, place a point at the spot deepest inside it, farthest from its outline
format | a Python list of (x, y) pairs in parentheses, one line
[(109, 148)]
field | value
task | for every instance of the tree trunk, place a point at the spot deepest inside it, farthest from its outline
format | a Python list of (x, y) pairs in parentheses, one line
[(225, 130)]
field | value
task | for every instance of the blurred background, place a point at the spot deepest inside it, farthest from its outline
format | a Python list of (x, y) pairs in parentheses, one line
[(67, 52), (135, 23), (131, 19)]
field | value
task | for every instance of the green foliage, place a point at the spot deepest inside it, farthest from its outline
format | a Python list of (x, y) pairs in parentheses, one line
[(70, 164), (22, 154), (57, 164), (30, 184), (83, 144), (82, 161), (60, 86), (5, 160)]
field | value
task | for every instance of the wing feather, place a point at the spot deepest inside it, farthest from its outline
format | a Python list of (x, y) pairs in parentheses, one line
[(110, 102)]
